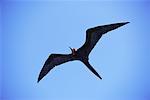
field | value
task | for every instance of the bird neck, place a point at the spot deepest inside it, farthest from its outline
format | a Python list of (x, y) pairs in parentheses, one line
[(73, 51)]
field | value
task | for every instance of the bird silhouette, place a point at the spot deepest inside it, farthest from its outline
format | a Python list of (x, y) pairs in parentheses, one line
[(81, 54)]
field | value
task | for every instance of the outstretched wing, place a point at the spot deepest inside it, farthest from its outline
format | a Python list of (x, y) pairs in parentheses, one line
[(52, 61), (94, 34)]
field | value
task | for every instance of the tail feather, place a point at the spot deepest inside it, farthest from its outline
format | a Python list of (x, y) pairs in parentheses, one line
[(92, 69)]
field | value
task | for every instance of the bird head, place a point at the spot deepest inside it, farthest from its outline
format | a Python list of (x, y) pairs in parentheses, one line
[(73, 50)]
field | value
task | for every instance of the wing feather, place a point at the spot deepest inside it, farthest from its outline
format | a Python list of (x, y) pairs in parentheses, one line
[(52, 61), (94, 34)]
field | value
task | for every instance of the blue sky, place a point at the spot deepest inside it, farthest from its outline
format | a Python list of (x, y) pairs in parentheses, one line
[(31, 30)]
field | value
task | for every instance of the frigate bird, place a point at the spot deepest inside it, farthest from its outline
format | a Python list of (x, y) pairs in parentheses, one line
[(81, 54)]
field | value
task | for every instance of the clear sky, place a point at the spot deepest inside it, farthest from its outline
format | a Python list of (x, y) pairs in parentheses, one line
[(31, 30)]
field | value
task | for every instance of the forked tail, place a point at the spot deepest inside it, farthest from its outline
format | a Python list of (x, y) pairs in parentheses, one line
[(91, 68)]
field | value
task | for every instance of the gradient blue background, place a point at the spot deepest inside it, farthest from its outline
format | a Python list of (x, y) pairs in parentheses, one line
[(31, 30)]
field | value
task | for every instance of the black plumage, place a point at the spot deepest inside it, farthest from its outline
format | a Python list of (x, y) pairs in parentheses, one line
[(82, 54)]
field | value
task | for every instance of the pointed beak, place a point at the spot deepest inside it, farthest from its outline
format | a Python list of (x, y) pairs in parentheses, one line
[(70, 49)]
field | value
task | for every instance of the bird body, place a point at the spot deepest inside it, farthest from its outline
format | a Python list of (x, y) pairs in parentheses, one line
[(81, 54)]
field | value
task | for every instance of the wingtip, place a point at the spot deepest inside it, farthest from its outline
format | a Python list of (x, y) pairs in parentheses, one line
[(126, 22), (38, 80), (123, 23), (117, 25)]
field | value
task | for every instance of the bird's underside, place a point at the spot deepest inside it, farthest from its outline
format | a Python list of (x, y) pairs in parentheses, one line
[(92, 37)]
